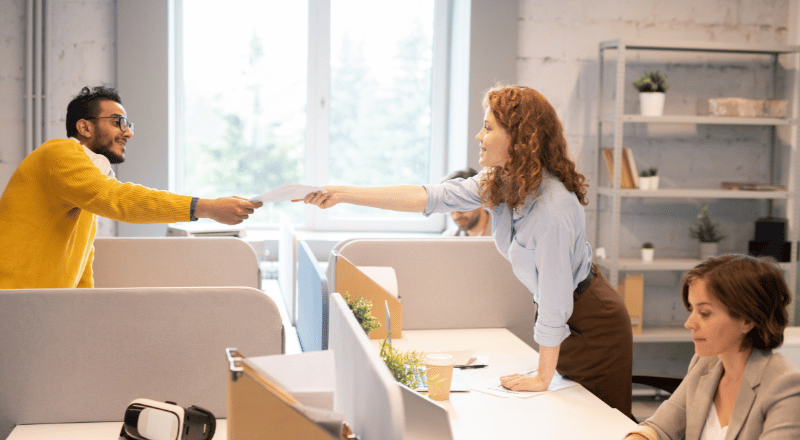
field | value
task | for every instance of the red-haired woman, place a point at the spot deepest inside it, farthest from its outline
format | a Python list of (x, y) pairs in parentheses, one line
[(536, 197)]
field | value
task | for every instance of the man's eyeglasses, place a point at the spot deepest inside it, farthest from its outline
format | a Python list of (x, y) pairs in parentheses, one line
[(121, 121)]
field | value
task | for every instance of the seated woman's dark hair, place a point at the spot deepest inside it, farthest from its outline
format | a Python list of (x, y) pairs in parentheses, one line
[(749, 288)]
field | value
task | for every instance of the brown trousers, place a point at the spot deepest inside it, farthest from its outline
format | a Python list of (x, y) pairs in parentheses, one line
[(598, 353)]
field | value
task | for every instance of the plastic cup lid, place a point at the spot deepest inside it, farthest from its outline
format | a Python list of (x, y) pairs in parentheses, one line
[(440, 359)]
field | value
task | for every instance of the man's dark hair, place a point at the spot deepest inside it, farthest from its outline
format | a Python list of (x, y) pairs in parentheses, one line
[(463, 174), (86, 105)]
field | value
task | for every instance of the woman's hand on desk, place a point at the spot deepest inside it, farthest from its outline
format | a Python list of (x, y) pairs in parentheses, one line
[(524, 382)]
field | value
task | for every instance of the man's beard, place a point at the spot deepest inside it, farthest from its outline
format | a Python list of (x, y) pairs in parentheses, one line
[(471, 223), (105, 150)]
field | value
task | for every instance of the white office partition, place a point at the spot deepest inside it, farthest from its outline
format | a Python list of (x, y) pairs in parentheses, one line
[(366, 393), (175, 262), (82, 355), (450, 283), (312, 301), (287, 266)]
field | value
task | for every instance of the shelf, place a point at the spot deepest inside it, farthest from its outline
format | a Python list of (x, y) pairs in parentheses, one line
[(660, 264), (669, 334), (700, 120), (679, 193), (698, 46), (621, 202)]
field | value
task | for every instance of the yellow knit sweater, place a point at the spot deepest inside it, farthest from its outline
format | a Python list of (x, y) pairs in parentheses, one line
[(48, 216)]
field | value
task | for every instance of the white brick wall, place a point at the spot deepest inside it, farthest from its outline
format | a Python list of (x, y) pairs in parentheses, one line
[(558, 56)]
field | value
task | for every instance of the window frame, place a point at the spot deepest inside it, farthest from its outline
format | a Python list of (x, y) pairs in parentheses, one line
[(318, 120)]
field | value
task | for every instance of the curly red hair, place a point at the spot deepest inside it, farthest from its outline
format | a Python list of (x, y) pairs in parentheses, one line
[(537, 144)]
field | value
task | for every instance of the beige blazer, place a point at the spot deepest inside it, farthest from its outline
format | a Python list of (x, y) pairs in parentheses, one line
[(767, 406)]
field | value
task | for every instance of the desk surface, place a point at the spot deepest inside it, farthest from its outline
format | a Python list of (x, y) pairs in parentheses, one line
[(473, 415), (476, 415), (86, 431)]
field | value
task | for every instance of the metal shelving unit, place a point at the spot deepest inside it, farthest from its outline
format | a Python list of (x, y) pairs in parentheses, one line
[(618, 118)]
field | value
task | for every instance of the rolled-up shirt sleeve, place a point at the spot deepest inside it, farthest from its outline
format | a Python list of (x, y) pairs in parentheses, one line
[(555, 283), (453, 195)]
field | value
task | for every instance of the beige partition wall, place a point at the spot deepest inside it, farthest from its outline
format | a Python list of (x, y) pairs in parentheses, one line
[(450, 283), (82, 355), (175, 262)]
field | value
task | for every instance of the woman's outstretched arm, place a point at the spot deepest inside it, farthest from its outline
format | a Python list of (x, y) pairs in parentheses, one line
[(406, 198)]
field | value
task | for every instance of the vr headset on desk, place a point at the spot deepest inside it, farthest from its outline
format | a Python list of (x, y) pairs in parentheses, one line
[(147, 419)]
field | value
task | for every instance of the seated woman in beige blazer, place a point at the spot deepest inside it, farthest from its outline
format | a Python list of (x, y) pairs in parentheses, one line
[(736, 387)]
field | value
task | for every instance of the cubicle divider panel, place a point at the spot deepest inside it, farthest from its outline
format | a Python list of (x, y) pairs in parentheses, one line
[(312, 301), (350, 280), (366, 393), (287, 266), (82, 355), (451, 283), (175, 262)]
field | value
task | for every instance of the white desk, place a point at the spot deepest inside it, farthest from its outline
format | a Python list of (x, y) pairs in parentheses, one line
[(86, 431), (571, 413)]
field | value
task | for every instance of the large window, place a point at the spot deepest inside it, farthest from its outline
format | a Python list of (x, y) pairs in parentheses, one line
[(351, 98)]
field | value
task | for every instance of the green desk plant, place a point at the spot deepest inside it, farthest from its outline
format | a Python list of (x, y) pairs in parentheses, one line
[(405, 367), (362, 310)]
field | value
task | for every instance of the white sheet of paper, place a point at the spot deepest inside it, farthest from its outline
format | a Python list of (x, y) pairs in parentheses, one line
[(495, 388), (287, 191)]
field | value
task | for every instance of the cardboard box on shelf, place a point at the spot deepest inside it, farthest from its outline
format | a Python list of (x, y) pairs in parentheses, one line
[(747, 108)]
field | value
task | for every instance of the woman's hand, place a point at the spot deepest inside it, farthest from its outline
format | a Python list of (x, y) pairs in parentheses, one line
[(524, 382), (323, 200)]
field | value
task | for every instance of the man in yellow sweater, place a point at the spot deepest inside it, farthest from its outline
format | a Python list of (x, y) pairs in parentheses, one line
[(49, 209)]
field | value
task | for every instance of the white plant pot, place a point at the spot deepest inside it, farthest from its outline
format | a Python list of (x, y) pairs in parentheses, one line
[(708, 250), (648, 254), (648, 183), (652, 103)]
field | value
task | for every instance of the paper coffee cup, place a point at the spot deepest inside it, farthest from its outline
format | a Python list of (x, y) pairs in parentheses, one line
[(439, 371)]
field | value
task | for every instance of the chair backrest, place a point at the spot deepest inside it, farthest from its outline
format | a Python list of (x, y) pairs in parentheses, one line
[(175, 262), (450, 283), (82, 355)]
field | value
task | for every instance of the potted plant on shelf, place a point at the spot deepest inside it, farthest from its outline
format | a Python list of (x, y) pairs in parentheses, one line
[(652, 89), (648, 252), (708, 233), (648, 179)]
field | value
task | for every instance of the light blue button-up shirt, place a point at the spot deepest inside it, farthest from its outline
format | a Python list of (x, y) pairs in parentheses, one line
[(545, 241)]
